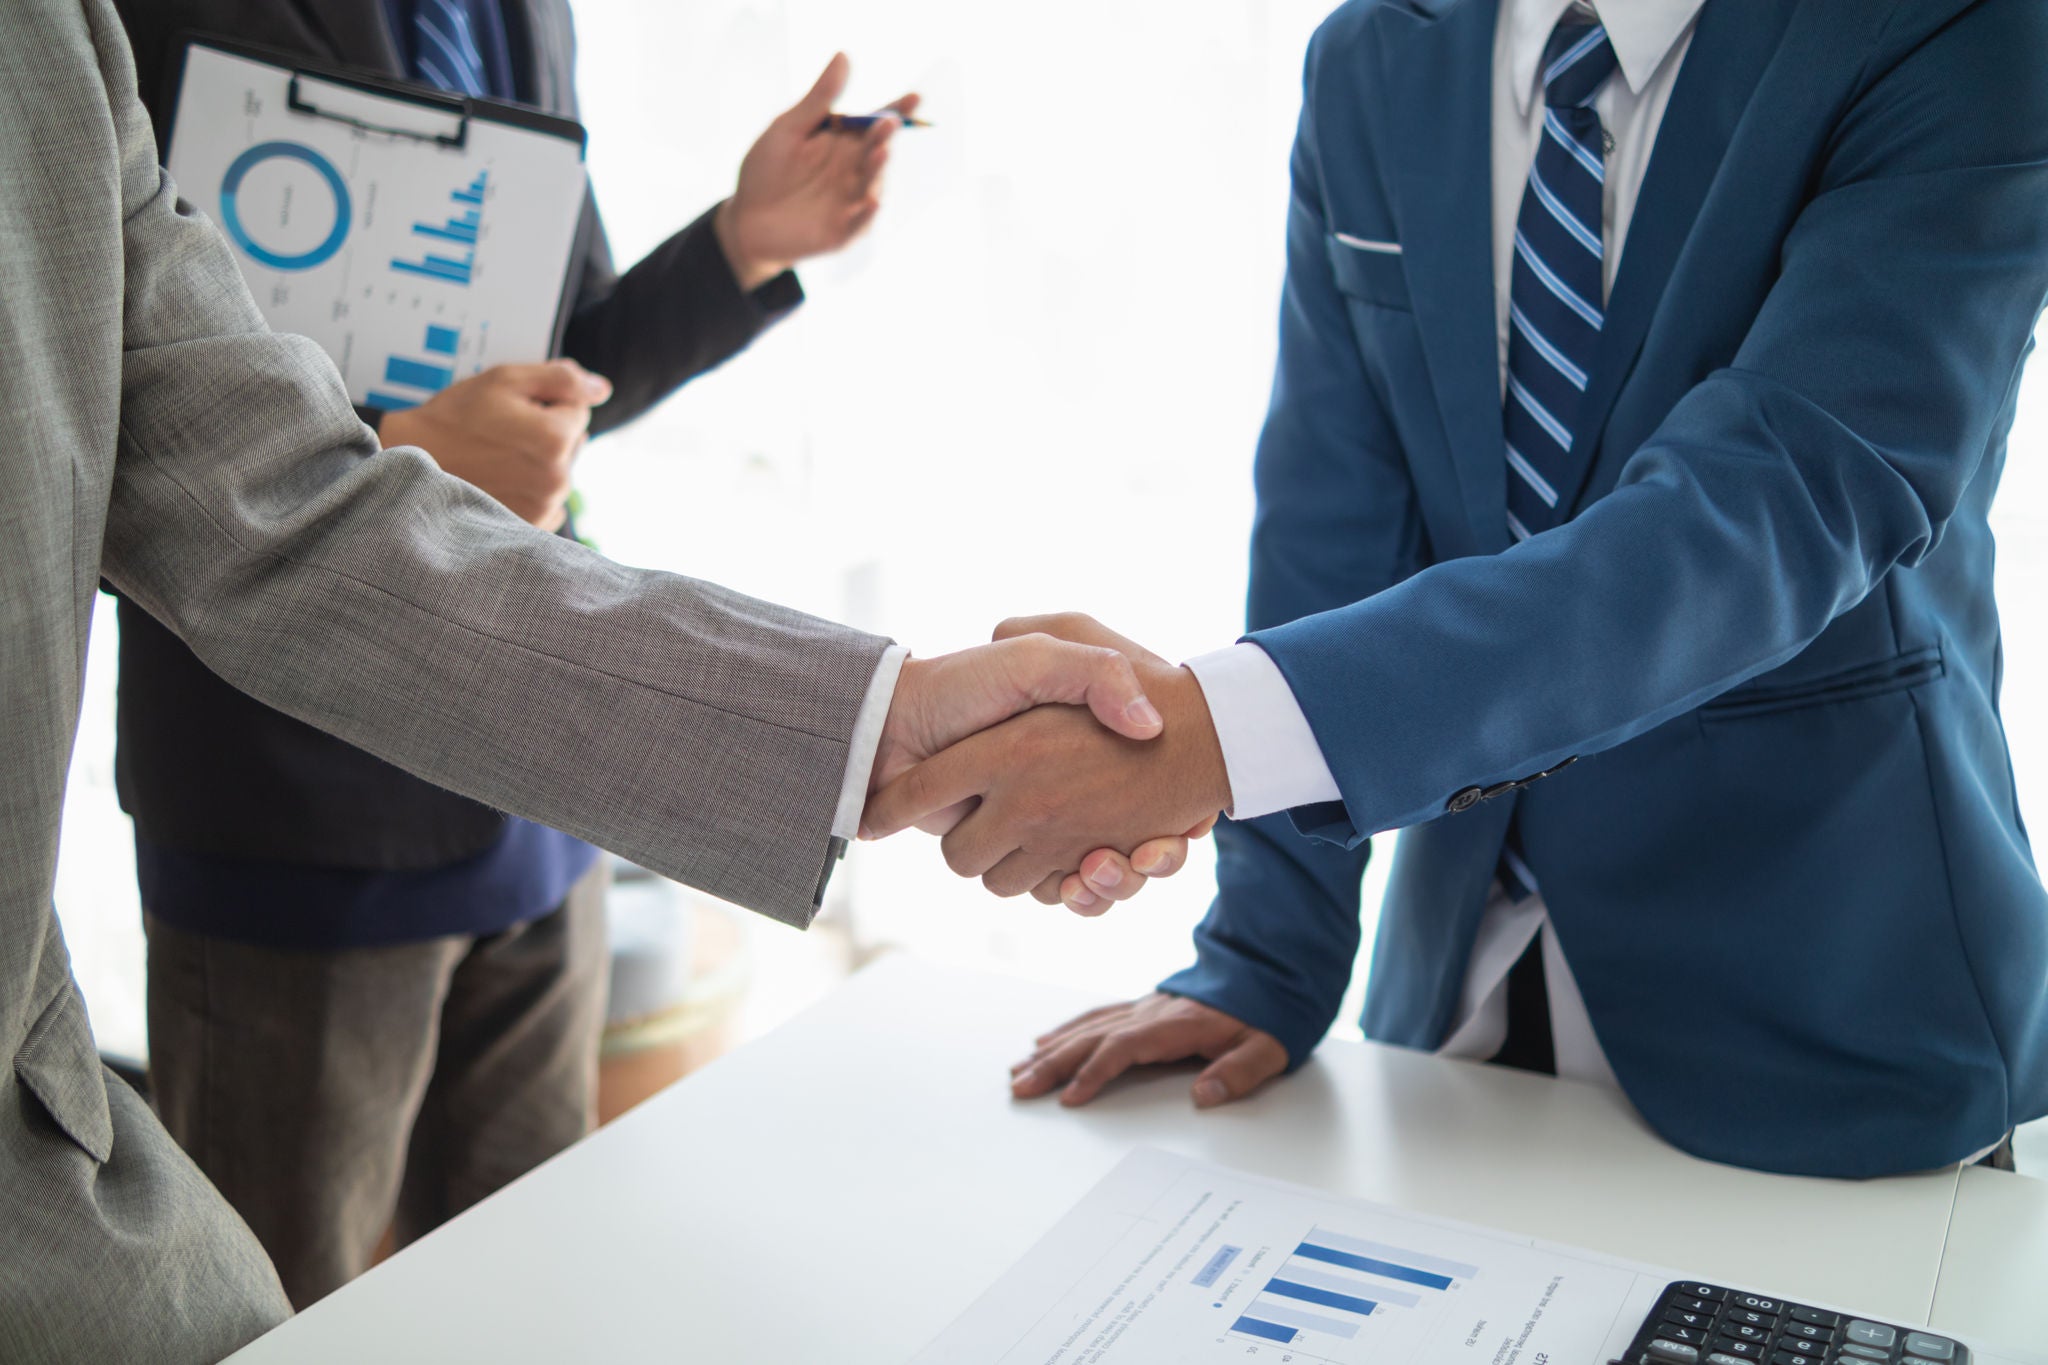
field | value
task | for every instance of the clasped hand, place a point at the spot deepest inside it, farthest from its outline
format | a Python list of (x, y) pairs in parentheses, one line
[(1100, 783)]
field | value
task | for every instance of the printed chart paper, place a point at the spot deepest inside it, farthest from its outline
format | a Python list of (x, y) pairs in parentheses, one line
[(411, 263), (1171, 1260)]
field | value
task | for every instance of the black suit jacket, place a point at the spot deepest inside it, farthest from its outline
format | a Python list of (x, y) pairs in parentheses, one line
[(205, 769)]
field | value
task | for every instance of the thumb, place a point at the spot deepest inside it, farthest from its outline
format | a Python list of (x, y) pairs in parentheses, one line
[(559, 381), (810, 111), (1038, 669), (1252, 1061)]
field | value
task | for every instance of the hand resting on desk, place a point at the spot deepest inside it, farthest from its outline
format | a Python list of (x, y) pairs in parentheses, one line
[(1086, 1053)]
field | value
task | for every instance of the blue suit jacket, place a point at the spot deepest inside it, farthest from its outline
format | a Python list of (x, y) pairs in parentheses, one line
[(1788, 867)]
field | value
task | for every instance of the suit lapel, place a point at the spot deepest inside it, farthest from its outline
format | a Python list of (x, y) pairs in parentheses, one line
[(1731, 46), (355, 33), (1437, 79), (542, 39)]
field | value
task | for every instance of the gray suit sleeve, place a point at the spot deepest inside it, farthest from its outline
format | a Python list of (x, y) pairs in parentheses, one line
[(692, 729)]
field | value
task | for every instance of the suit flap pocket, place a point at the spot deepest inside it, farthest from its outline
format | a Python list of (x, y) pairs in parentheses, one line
[(1895, 674), (1368, 269), (60, 1065)]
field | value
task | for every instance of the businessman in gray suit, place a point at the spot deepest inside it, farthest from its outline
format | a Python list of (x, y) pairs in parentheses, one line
[(162, 437)]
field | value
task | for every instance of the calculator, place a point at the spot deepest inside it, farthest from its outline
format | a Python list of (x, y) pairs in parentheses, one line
[(1705, 1324)]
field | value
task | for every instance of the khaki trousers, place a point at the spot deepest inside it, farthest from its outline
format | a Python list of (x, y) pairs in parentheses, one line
[(332, 1094)]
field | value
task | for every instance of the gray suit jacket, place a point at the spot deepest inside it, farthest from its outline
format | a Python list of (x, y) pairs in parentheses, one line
[(158, 434)]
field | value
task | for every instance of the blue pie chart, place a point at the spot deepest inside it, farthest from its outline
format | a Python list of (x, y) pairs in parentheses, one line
[(231, 218)]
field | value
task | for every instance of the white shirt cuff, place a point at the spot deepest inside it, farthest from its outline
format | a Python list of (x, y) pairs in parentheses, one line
[(867, 738), (1269, 751)]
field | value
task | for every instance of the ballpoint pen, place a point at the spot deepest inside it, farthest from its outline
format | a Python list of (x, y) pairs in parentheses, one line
[(860, 123)]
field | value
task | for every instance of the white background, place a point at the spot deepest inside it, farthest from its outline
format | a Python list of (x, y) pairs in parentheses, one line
[(1035, 386)]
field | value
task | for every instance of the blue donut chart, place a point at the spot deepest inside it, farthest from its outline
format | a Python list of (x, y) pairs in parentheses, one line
[(231, 219)]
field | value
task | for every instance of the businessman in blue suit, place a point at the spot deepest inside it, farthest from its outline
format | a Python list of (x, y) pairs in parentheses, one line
[(1643, 388)]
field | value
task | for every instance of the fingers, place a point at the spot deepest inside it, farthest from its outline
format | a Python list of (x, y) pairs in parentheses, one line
[(1118, 1052), (938, 784), (1078, 627), (1105, 877), (982, 842), (1017, 873), (1086, 1053), (810, 111), (1076, 896), (943, 821), (1047, 892), (1079, 1021), (1051, 1067), (857, 221), (906, 105), (1040, 669), (1253, 1060), (874, 143), (556, 381), (1156, 858)]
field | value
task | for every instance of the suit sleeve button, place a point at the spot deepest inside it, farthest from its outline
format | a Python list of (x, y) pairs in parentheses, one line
[(1463, 801)]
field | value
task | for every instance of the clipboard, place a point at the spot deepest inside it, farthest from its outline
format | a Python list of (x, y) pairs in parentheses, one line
[(418, 236)]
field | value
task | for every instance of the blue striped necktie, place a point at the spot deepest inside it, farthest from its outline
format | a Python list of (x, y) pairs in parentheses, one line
[(1556, 296), (445, 51)]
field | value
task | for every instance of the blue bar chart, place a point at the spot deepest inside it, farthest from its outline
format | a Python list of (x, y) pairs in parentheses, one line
[(455, 262), (428, 376), (1331, 1285)]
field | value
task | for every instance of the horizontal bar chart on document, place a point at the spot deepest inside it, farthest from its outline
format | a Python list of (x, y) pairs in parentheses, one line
[(1332, 1284)]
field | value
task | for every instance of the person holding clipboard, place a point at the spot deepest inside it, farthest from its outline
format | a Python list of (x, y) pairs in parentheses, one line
[(305, 900)]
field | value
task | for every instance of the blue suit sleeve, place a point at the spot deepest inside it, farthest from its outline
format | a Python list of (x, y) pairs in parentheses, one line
[(1337, 521), (1775, 496)]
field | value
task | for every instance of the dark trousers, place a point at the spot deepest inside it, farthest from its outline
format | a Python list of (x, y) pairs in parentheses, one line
[(332, 1094)]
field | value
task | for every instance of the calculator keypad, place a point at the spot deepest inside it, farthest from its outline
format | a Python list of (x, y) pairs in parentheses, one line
[(1704, 1324)]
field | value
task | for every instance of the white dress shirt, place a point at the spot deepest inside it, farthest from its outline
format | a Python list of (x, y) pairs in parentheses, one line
[(1269, 749), (867, 738)]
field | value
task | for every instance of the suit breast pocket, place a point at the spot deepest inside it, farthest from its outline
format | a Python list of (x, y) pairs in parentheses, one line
[(1368, 270)]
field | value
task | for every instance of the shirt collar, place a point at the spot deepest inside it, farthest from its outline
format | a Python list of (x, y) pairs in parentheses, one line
[(1643, 33)]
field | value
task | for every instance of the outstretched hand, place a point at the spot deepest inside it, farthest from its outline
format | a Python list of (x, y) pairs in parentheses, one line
[(805, 190), (1045, 790)]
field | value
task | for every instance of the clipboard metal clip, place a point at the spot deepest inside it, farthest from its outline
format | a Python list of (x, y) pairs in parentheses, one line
[(445, 121)]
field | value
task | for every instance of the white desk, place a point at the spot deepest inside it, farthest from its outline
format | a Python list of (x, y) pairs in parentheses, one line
[(1994, 1278), (755, 1210)]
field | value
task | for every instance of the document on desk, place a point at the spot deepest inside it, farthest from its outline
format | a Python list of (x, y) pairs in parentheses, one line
[(419, 238), (1170, 1259)]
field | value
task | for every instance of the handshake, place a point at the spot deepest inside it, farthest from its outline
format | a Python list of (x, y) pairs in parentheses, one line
[(1062, 760)]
